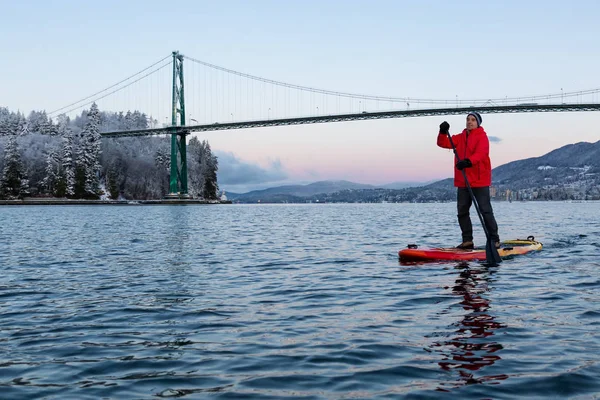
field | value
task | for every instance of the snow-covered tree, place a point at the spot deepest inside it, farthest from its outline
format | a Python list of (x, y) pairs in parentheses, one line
[(211, 187), (129, 121), (14, 183), (48, 128), (52, 171), (162, 157), (38, 122), (4, 121), (11, 123), (23, 128), (195, 176), (68, 163), (63, 125), (202, 170), (88, 160), (139, 120), (111, 183)]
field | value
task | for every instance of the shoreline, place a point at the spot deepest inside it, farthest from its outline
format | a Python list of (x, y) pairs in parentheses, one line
[(72, 202)]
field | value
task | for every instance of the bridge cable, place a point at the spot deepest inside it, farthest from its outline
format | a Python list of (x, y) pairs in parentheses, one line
[(388, 98), (116, 90), (108, 88)]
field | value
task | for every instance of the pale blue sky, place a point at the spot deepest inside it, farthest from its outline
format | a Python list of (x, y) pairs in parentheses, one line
[(57, 52)]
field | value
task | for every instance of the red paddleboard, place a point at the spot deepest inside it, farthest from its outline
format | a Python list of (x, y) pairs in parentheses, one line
[(508, 248)]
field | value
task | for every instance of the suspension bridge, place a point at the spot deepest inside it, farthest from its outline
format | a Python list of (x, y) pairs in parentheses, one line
[(217, 98)]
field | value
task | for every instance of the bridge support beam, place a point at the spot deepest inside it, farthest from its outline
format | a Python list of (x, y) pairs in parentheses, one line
[(178, 184)]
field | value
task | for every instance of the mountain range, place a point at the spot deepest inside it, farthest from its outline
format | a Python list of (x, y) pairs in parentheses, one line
[(296, 192), (569, 172)]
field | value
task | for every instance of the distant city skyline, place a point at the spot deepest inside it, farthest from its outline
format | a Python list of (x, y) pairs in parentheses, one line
[(62, 52)]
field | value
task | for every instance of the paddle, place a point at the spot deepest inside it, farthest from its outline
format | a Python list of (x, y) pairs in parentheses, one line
[(491, 253)]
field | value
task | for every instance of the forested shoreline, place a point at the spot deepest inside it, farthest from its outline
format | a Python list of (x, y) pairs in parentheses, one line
[(69, 158)]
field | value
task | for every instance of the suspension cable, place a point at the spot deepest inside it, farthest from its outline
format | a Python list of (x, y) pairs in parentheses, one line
[(393, 99), (108, 88), (116, 90)]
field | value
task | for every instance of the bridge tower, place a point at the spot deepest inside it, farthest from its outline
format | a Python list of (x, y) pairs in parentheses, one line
[(178, 185)]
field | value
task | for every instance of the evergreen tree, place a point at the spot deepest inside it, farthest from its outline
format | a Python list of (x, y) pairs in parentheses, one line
[(11, 123), (202, 170), (140, 120), (129, 122), (89, 155), (23, 127), (39, 122), (61, 185), (4, 121), (111, 183), (120, 121), (79, 184), (211, 187), (68, 164), (162, 159), (20, 124), (195, 175), (65, 185), (48, 128), (14, 183), (63, 125), (52, 172)]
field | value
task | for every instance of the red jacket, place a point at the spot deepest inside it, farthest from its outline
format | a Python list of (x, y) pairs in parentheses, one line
[(476, 147)]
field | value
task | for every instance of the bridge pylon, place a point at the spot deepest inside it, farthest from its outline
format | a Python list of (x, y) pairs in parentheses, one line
[(178, 184)]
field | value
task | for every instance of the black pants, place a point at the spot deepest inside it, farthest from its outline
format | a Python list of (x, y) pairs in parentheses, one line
[(482, 195)]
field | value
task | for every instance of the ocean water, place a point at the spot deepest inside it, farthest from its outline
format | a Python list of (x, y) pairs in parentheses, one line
[(294, 301)]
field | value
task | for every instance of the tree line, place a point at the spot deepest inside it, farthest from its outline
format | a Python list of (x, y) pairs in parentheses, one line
[(69, 158)]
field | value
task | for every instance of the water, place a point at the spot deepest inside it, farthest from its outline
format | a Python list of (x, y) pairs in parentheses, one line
[(294, 301)]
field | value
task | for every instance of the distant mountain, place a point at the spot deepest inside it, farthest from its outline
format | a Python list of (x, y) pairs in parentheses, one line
[(570, 172), (402, 185), (294, 193)]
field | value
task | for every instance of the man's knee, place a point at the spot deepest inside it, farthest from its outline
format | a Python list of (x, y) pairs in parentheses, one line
[(485, 209), (463, 209)]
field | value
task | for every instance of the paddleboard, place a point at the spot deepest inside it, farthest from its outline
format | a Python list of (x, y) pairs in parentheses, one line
[(507, 248)]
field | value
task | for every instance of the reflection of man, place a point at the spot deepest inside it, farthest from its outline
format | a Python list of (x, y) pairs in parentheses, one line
[(467, 351)]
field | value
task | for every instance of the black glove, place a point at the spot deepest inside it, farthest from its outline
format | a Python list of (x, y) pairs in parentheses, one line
[(462, 164), (444, 128)]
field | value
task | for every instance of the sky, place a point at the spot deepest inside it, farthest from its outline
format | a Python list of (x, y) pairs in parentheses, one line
[(55, 53)]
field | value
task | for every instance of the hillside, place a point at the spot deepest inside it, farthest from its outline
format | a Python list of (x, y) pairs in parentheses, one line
[(568, 165)]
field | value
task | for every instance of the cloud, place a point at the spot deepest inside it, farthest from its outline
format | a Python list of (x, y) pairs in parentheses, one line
[(494, 139), (233, 171)]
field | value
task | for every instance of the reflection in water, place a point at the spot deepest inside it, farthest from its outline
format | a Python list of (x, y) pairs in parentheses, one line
[(471, 347)]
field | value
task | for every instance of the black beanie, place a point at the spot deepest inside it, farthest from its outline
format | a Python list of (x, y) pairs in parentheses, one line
[(477, 117)]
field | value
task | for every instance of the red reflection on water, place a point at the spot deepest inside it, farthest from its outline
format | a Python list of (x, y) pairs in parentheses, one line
[(472, 348)]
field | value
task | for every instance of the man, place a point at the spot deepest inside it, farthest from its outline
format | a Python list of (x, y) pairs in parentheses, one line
[(473, 148)]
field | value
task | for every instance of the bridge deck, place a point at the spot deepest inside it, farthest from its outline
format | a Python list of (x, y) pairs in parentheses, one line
[(523, 108)]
